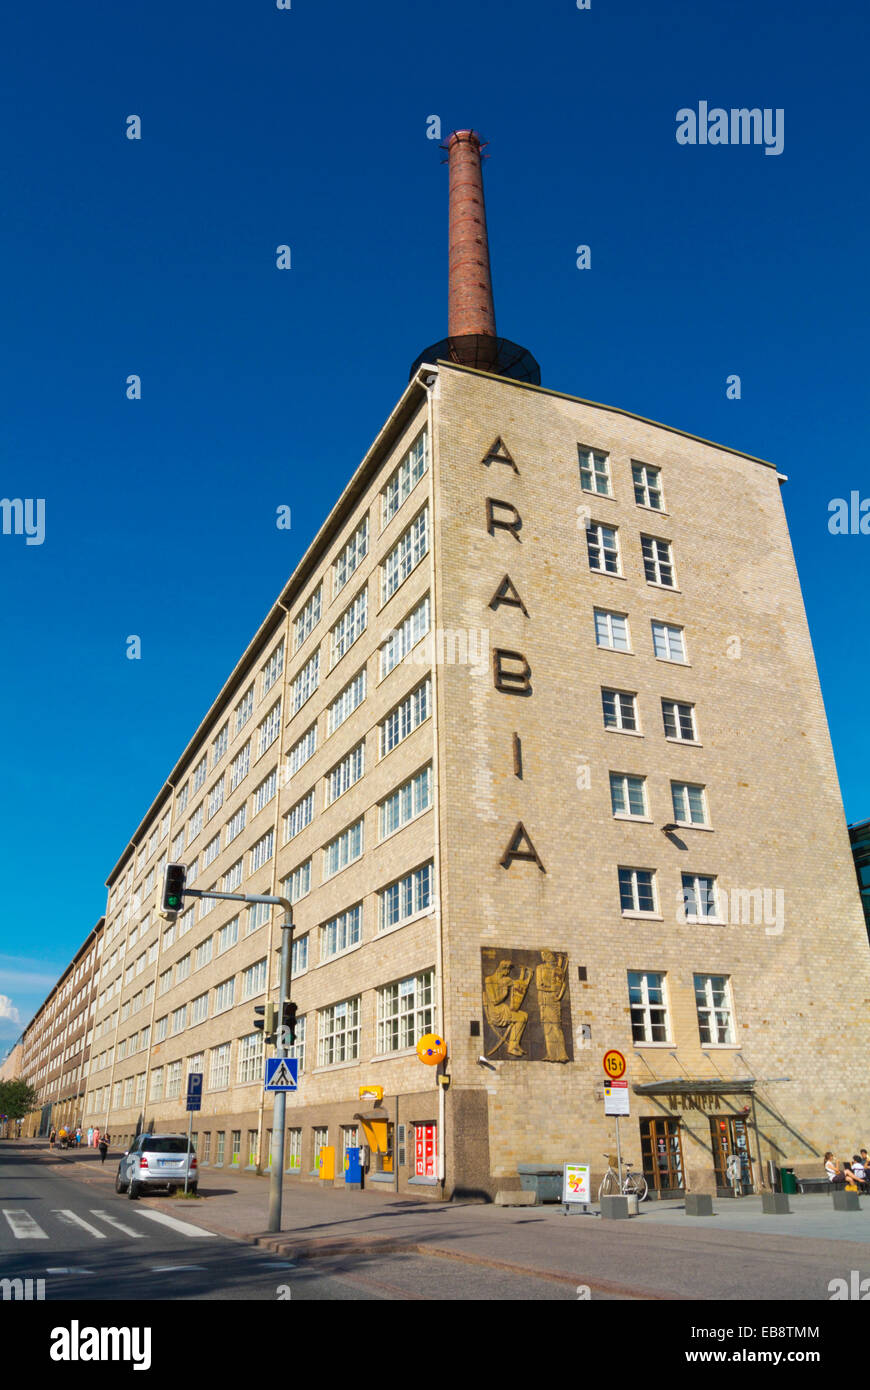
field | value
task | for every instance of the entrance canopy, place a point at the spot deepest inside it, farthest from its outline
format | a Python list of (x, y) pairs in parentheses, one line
[(687, 1085)]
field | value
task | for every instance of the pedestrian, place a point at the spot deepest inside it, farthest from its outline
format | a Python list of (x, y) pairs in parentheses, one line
[(90, 1136), (52, 1135), (78, 1136), (103, 1146), (833, 1170)]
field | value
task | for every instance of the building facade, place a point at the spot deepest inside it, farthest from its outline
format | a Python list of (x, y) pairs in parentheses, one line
[(533, 740), (859, 836)]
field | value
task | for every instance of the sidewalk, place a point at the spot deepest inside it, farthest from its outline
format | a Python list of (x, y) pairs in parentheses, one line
[(662, 1254)]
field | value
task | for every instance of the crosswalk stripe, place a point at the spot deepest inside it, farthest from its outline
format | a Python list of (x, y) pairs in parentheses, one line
[(69, 1218), (119, 1225), (183, 1227), (23, 1225)]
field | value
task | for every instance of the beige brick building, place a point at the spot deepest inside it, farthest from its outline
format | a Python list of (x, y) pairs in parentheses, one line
[(542, 683)]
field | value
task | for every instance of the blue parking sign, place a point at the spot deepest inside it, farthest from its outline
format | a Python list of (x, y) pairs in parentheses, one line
[(194, 1090)]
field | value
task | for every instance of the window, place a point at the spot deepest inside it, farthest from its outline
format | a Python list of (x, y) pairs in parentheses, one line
[(179, 1019), (224, 995), (620, 709), (199, 1009), (299, 816), (239, 766), (343, 850), (177, 847), (404, 479), (206, 905), (308, 619), (405, 1012), (157, 1083), (647, 486), (405, 555), (194, 1064), (305, 683), (346, 702), (254, 979), (627, 794), (611, 630), (266, 790), (302, 750), (668, 642), (649, 1015), (404, 638), (636, 890), (215, 799), (594, 472), (321, 1140), (185, 921), (220, 1140), (339, 1033), (272, 669), (219, 746), (232, 879), (602, 548), (679, 721), (244, 710), (199, 773), (294, 1150), (406, 897), (351, 557), (182, 969), (160, 1028), (299, 955), (699, 898), (211, 851), (689, 807), (250, 1061), (410, 800), (236, 824), (258, 916), (341, 933), (165, 981), (219, 1076), (345, 774), (262, 851), (297, 883), (657, 562), (173, 1080), (269, 729), (406, 717), (350, 626), (194, 825), (228, 935), (715, 1018), (205, 1147)]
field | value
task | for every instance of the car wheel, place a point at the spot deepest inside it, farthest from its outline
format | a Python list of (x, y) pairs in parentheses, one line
[(119, 1185), (133, 1190)]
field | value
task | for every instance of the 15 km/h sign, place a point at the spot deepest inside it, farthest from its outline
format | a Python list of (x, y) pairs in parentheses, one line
[(614, 1064)]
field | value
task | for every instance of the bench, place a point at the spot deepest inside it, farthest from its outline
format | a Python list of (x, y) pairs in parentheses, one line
[(807, 1185)]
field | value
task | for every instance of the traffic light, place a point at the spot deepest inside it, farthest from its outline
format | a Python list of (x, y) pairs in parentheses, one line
[(267, 1022), (288, 1019), (173, 889)]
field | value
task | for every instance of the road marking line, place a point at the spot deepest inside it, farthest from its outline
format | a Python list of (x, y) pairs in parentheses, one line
[(69, 1218), (23, 1225), (164, 1269), (119, 1225), (183, 1227)]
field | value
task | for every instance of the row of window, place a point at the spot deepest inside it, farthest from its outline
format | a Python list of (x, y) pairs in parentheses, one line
[(602, 546), (650, 1022), (628, 799), (612, 631), (595, 477), (699, 897), (620, 711)]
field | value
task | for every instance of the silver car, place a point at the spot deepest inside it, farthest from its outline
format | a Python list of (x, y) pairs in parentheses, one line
[(156, 1160)]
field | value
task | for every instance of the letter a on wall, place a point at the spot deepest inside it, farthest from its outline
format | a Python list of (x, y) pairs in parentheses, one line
[(499, 453), (521, 847)]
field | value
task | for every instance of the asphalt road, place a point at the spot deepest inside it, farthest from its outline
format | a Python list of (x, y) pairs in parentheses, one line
[(87, 1244)]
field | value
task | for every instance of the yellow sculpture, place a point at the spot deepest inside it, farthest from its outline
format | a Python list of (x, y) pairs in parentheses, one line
[(502, 997), (551, 978)]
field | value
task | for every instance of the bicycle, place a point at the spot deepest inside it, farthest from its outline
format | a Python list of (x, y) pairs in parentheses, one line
[(633, 1184)]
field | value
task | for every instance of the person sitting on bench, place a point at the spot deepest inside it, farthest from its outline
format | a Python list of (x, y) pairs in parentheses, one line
[(834, 1171)]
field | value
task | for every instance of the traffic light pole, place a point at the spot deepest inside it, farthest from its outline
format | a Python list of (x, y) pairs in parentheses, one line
[(279, 1114)]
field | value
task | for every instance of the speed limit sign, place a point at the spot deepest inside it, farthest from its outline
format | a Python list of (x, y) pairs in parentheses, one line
[(614, 1064)]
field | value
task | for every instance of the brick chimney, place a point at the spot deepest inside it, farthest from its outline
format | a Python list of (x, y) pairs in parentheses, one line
[(470, 305), (471, 340)]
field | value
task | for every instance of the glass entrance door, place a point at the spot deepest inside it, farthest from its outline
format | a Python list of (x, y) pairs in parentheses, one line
[(661, 1153), (731, 1154)]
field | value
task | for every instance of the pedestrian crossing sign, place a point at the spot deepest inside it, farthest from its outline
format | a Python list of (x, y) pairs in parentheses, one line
[(281, 1073)]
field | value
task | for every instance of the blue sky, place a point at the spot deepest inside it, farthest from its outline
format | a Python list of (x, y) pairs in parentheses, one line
[(261, 388)]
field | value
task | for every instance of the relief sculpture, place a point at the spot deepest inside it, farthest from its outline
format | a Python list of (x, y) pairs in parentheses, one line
[(526, 1004)]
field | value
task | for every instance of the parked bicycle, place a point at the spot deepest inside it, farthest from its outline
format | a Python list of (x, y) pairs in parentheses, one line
[(633, 1184)]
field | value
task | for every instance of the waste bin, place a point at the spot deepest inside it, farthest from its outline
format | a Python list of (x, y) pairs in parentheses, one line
[(789, 1181), (543, 1179)]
